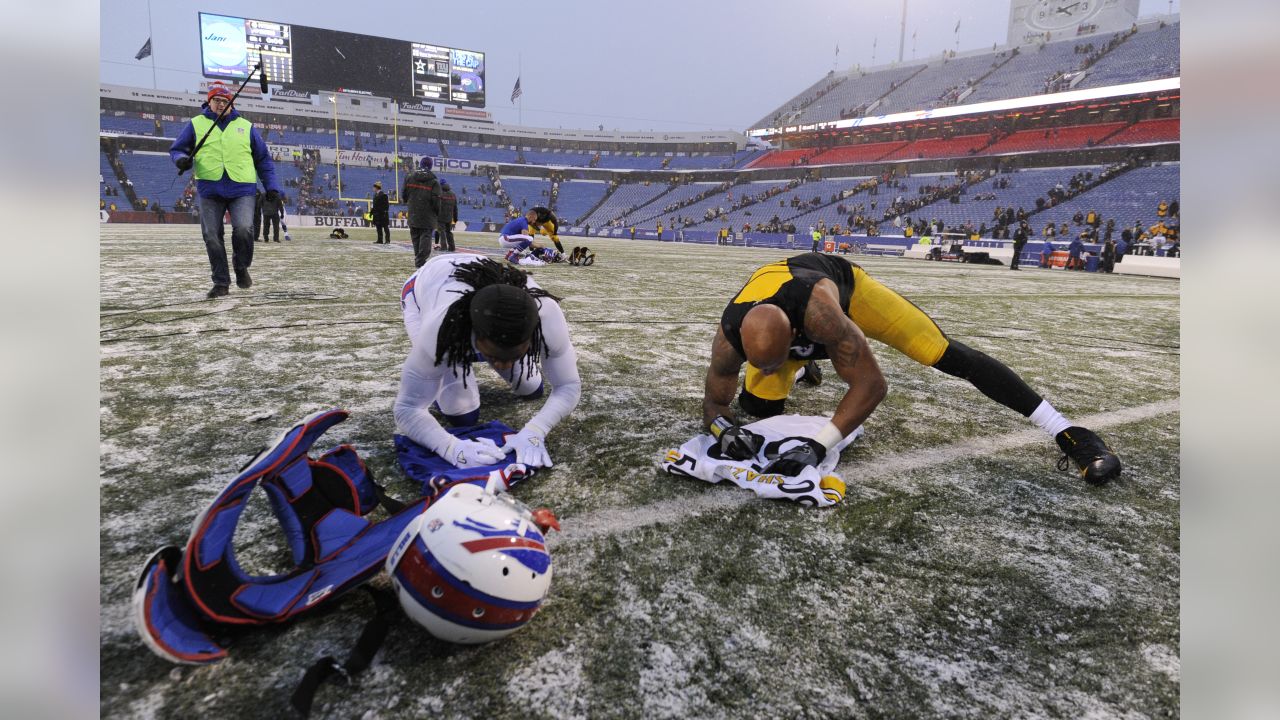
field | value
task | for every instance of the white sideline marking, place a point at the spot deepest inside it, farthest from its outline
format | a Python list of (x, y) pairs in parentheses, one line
[(620, 520)]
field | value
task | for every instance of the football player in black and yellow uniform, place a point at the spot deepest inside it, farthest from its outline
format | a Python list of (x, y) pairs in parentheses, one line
[(544, 222), (815, 306)]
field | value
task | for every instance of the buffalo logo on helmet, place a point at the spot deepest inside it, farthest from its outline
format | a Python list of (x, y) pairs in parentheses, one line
[(475, 566)]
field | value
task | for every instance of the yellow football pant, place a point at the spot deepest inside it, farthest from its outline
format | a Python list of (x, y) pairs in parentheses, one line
[(881, 314)]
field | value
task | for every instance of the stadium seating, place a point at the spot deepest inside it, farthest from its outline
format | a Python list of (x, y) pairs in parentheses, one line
[(1025, 72), (867, 152), (1147, 131), (1147, 55), (631, 161), (803, 216), (759, 210), (576, 198), (783, 158), (628, 197), (925, 89), (1024, 187), (527, 192), (483, 153), (1150, 54), (1131, 196), (1065, 138), (108, 179), (125, 125), (958, 146), (658, 210), (473, 206)]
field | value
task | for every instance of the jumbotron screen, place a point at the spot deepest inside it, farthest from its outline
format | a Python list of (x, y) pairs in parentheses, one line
[(318, 59)]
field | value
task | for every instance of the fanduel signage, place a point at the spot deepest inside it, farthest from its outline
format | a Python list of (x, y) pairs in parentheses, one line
[(418, 108), (289, 95)]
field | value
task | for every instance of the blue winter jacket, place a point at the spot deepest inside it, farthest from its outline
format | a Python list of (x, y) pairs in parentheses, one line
[(227, 188)]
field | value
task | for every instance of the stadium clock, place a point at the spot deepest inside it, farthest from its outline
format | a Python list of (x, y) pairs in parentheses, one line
[(1061, 14), (1030, 20)]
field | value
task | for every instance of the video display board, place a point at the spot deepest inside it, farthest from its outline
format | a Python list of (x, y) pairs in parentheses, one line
[(317, 59)]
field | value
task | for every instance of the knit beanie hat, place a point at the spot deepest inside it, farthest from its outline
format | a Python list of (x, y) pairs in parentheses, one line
[(218, 90)]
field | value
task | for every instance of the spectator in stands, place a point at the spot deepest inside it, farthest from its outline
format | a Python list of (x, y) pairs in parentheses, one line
[(448, 216), (228, 167), (422, 194), (1162, 210), (380, 215), (1064, 231), (807, 307)]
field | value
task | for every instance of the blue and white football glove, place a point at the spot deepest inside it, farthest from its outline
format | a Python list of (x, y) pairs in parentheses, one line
[(530, 446)]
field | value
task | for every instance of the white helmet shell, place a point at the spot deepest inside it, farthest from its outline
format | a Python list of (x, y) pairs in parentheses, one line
[(473, 567)]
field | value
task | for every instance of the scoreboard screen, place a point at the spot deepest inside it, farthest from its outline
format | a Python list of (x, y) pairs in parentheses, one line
[(315, 59)]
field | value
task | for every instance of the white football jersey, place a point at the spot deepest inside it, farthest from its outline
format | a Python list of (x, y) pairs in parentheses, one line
[(816, 486)]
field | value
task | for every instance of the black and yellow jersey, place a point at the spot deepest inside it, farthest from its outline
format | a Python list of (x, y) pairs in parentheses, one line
[(789, 284), (546, 221)]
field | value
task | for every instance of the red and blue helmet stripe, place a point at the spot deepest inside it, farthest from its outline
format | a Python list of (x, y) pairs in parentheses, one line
[(441, 592)]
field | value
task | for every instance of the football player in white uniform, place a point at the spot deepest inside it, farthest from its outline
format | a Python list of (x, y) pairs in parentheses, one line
[(460, 309)]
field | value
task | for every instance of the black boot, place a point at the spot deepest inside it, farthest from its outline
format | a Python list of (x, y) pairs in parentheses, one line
[(1096, 461), (217, 291)]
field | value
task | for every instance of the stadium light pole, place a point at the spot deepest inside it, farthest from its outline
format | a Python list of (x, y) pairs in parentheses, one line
[(902, 31), (337, 149), (395, 148)]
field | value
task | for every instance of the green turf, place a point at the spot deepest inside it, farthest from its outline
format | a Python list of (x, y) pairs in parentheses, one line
[(962, 576)]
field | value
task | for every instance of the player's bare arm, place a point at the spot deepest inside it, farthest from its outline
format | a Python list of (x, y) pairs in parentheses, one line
[(722, 379), (826, 322)]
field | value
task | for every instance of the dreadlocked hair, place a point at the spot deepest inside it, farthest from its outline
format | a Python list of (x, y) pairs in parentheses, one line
[(453, 344)]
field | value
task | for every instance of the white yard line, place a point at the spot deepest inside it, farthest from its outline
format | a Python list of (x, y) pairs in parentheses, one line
[(620, 520)]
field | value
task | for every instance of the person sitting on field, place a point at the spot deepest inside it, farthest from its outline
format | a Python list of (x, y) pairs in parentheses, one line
[(338, 234), (463, 309), (813, 306)]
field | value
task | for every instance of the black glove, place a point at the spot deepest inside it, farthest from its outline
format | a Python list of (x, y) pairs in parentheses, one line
[(735, 441), (183, 162), (273, 195), (792, 462)]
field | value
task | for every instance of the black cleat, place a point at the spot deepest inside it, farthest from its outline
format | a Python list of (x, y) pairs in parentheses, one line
[(812, 374), (217, 291), (1096, 461), (243, 281)]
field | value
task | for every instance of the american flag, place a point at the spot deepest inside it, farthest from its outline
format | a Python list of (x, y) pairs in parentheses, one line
[(516, 91)]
